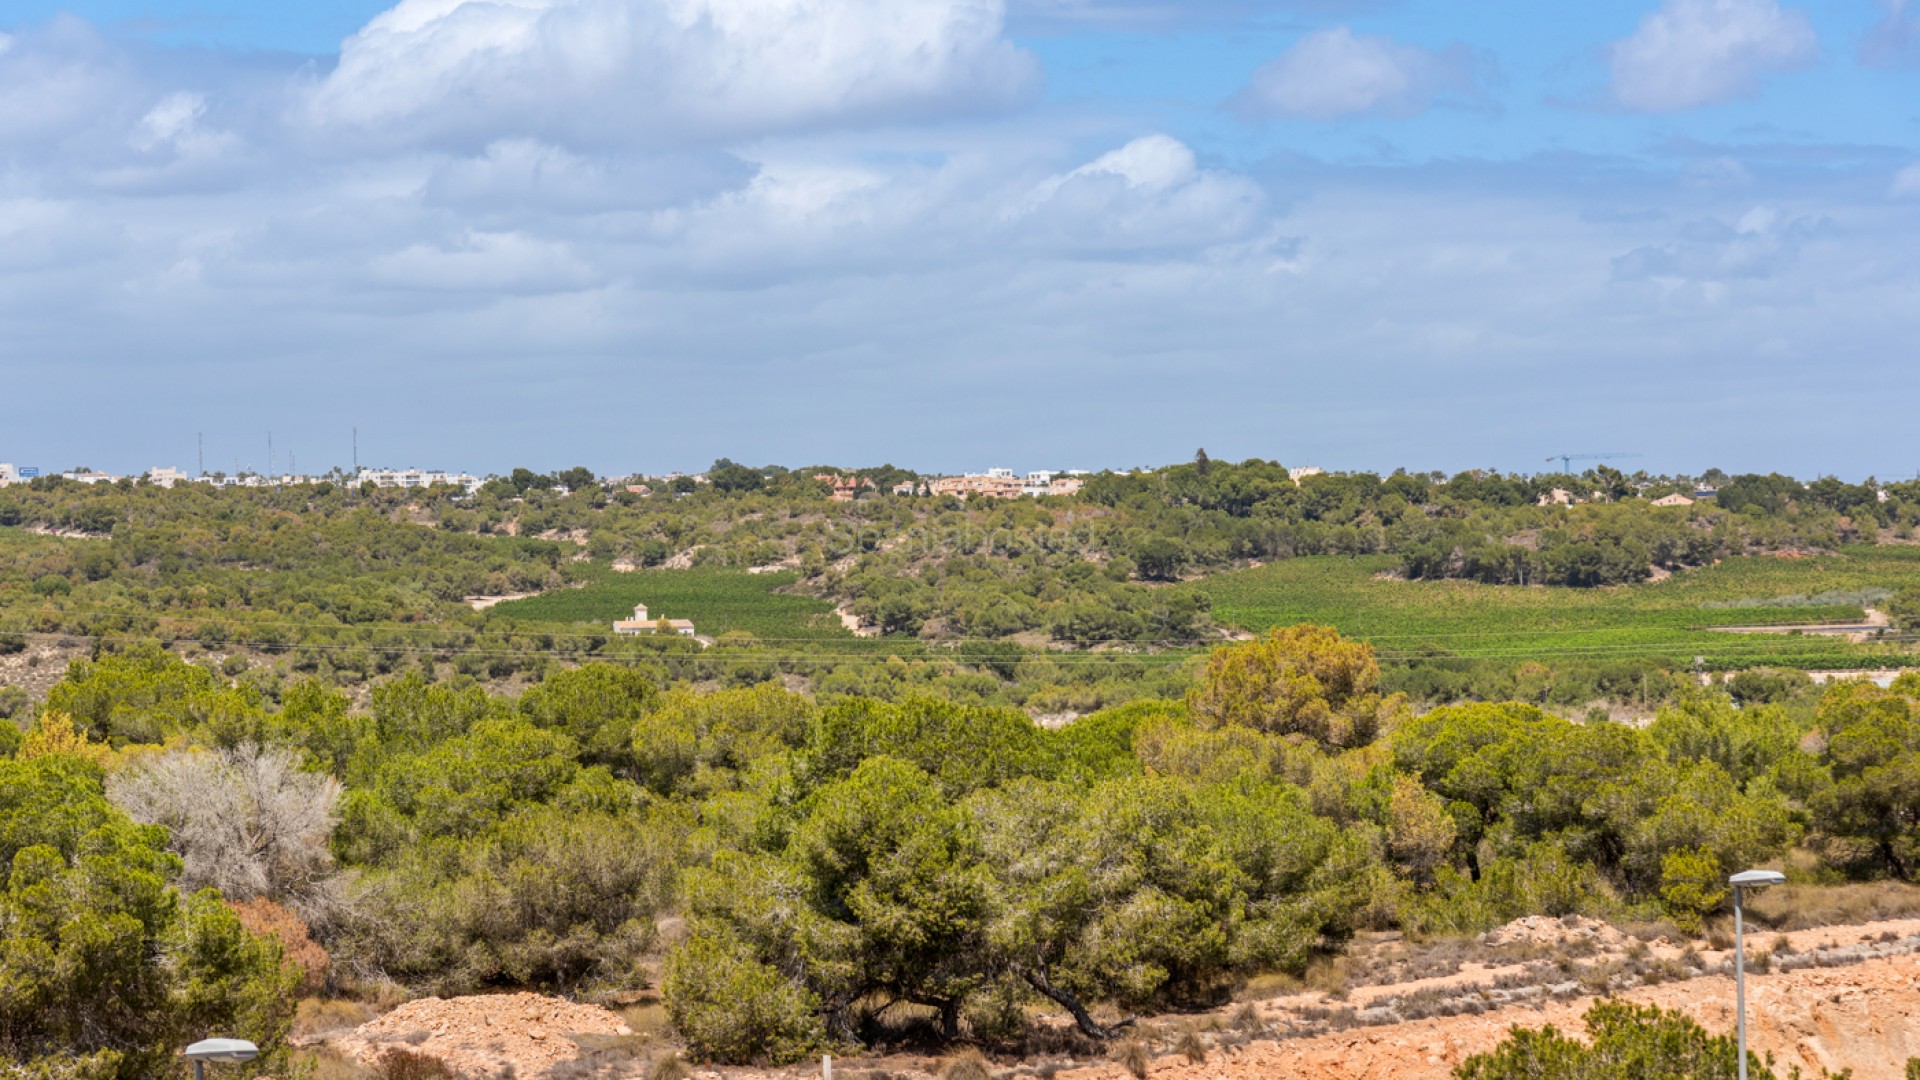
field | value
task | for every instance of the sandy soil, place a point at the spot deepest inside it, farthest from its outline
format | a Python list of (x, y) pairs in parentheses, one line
[(1855, 1017)]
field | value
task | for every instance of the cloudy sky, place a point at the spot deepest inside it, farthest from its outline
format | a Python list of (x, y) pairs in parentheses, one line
[(640, 234)]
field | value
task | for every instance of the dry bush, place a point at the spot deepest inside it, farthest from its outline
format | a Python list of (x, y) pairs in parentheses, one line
[(327, 1065), (1191, 1048), (317, 1016), (966, 1065), (669, 1067), (1247, 1019), (407, 1065), (1133, 1057), (648, 1019), (1329, 975), (247, 821), (267, 919)]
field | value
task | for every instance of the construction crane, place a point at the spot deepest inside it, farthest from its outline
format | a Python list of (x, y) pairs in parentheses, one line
[(1566, 460)]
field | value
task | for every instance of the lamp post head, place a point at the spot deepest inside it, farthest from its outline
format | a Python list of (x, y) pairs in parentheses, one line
[(222, 1050), (1757, 879)]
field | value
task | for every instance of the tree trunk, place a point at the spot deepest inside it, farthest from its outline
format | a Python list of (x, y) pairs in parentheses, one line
[(1037, 978)]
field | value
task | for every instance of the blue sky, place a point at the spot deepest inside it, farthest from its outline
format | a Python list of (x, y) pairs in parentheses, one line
[(640, 234)]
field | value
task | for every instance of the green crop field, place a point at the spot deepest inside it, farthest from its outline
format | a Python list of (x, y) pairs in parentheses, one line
[(1664, 620), (716, 600)]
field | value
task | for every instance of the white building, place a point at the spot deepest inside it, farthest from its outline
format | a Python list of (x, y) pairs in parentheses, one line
[(641, 624), (167, 477), (418, 478), (1303, 472), (8, 474)]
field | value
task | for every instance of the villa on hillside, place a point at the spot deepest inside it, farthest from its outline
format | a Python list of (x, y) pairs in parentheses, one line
[(641, 624)]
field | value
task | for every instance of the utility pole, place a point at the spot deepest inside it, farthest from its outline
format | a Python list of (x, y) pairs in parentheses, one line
[(201, 437), (356, 450)]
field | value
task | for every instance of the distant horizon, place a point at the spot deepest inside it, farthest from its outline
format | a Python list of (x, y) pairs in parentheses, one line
[(1629, 467)]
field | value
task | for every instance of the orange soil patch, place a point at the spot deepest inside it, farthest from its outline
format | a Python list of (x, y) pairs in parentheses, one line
[(521, 1035)]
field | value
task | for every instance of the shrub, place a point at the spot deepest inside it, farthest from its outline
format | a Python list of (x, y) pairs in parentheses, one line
[(1691, 885), (1627, 1042), (398, 1064), (268, 919), (732, 1008)]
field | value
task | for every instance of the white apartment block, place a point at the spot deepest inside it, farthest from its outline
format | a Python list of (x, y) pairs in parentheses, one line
[(418, 478)]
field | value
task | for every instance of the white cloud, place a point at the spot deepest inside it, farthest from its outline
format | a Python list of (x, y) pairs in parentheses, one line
[(608, 69), (1150, 193), (1906, 185), (1761, 243), (1894, 42), (1334, 73), (171, 120), (1702, 52), (1154, 14), (509, 262)]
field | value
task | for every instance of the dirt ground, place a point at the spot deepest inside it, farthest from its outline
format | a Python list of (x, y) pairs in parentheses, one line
[(1831, 998), (1858, 1017), (40, 665)]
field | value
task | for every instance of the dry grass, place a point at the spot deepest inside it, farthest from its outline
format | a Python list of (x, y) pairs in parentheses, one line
[(1264, 987), (1804, 907), (317, 1016), (966, 1065), (669, 1067), (1133, 1057), (648, 1019), (1330, 975), (1192, 1048), (327, 1065)]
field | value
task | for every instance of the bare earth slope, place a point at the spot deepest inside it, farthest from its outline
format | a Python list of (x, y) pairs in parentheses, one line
[(1860, 1017)]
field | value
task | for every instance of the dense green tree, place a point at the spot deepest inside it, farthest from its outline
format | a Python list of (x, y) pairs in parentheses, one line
[(1305, 680)]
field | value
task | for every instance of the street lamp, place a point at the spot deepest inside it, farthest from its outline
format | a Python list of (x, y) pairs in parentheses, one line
[(225, 1051), (1746, 879)]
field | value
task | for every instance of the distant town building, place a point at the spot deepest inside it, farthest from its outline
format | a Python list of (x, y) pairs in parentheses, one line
[(1305, 471), (166, 477), (8, 474), (1675, 499), (1557, 497), (418, 478), (846, 488), (641, 624), (992, 484), (1006, 484), (91, 477)]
